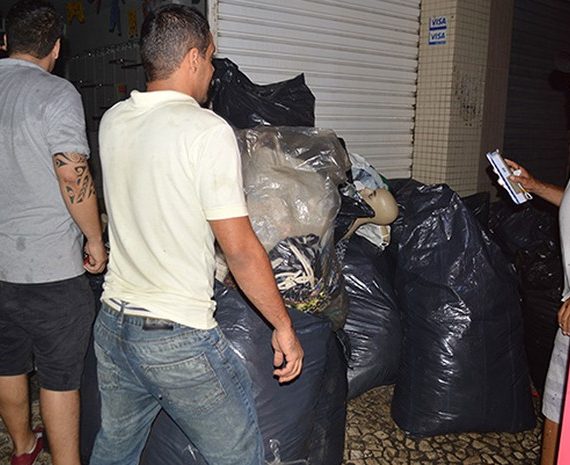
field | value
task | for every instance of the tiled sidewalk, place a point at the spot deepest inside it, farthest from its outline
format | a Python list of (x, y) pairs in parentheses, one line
[(372, 438)]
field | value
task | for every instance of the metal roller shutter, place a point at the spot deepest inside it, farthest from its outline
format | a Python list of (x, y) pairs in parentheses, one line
[(359, 58)]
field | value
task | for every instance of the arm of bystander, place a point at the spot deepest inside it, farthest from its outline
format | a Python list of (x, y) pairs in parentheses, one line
[(548, 192), (78, 191)]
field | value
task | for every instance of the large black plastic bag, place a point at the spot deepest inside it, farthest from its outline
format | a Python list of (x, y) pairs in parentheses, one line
[(463, 361), (530, 238), (246, 105), (327, 436), (168, 445), (480, 205), (541, 275), (520, 227), (373, 324), (291, 413)]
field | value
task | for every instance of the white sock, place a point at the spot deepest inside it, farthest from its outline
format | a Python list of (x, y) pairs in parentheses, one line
[(37, 435)]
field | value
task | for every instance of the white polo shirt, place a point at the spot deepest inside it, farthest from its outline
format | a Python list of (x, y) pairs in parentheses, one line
[(169, 166)]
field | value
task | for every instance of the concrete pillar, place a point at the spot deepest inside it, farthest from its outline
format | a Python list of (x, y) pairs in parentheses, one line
[(462, 89)]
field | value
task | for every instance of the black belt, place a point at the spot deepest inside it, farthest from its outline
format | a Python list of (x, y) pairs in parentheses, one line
[(150, 324)]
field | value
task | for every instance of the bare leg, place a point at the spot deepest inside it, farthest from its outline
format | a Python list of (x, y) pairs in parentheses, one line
[(15, 411), (550, 432), (60, 412)]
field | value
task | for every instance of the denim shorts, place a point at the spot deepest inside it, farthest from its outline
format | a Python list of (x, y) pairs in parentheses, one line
[(192, 374), (46, 325)]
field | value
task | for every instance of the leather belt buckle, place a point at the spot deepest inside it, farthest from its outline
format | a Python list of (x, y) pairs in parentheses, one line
[(152, 324)]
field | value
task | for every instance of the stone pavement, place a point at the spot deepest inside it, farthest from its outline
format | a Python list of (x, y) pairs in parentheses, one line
[(372, 438)]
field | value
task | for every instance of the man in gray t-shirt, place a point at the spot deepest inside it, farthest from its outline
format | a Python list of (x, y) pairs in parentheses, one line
[(48, 203)]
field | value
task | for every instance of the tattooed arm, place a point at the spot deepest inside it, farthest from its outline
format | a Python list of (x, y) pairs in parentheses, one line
[(78, 191)]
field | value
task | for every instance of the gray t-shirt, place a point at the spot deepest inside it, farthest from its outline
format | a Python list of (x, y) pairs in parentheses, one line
[(40, 115)]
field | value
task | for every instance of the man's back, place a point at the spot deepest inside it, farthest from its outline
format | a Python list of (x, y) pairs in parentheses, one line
[(40, 115), (169, 166)]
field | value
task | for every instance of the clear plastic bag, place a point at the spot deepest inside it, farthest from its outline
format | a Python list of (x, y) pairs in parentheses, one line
[(291, 178)]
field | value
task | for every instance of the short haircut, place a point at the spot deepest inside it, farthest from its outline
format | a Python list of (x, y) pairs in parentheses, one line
[(167, 35), (33, 27)]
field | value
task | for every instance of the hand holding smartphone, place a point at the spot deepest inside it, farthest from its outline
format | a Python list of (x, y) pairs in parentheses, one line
[(517, 193)]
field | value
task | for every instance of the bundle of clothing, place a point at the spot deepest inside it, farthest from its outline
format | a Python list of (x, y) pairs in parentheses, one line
[(291, 179)]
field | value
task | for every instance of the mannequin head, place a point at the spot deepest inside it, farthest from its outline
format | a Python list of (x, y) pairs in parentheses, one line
[(384, 206)]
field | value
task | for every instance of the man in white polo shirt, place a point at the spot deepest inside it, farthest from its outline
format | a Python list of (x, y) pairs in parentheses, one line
[(173, 186)]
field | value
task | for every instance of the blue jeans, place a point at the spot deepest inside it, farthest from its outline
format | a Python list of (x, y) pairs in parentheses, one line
[(192, 374)]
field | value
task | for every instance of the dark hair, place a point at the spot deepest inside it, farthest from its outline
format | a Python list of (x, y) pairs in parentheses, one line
[(33, 27), (167, 35)]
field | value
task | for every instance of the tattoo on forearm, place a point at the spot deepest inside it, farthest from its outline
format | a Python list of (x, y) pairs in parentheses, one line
[(82, 186)]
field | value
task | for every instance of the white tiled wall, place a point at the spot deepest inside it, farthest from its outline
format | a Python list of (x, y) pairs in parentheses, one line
[(451, 95)]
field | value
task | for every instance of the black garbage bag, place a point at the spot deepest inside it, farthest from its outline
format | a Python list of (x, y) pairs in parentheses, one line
[(292, 413), (463, 362), (373, 324), (540, 267), (520, 227), (245, 105), (167, 444), (529, 236), (480, 205), (327, 436), (542, 280), (540, 308)]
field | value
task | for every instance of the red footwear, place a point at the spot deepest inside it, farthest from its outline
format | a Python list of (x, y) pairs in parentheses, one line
[(30, 457)]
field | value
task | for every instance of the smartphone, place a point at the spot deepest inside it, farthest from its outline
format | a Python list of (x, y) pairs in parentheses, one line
[(517, 192)]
